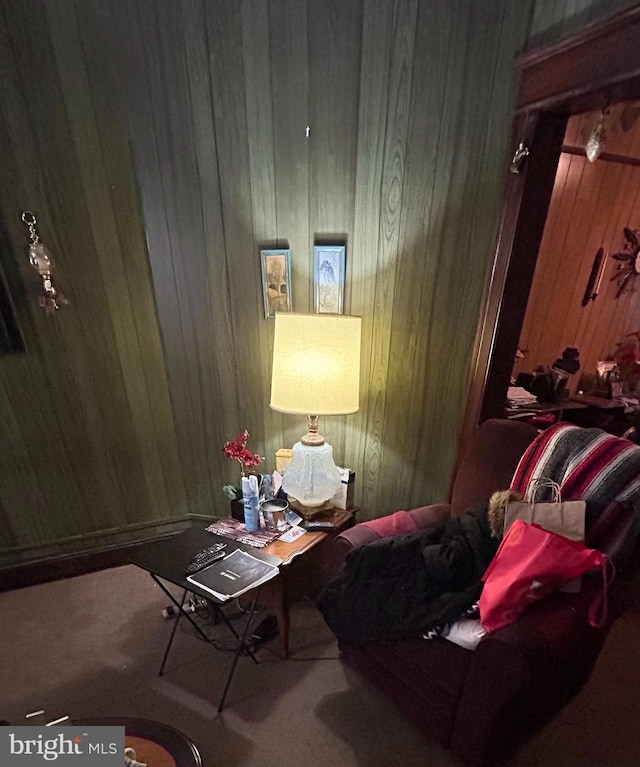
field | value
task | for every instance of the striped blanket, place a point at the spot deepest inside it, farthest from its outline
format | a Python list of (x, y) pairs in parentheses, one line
[(597, 467)]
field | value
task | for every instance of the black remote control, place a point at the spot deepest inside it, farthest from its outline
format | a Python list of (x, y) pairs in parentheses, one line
[(319, 525), (205, 557)]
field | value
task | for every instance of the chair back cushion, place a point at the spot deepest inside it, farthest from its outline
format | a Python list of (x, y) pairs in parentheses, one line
[(489, 461)]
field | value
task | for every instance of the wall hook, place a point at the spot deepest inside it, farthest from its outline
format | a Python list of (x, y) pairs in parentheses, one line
[(518, 157)]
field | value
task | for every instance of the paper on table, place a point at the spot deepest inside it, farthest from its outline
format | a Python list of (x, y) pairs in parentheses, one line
[(292, 534), (519, 395), (232, 576)]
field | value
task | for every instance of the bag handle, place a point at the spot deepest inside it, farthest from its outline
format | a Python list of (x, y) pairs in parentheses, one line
[(538, 483), (599, 603)]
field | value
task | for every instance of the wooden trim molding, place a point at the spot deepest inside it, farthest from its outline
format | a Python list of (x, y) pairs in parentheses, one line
[(56, 568), (52, 568), (518, 253), (603, 156), (602, 58)]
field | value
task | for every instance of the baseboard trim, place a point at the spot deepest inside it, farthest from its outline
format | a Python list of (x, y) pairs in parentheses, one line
[(69, 565), (58, 566)]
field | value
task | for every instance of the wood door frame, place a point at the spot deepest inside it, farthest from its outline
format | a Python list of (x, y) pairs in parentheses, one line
[(599, 65)]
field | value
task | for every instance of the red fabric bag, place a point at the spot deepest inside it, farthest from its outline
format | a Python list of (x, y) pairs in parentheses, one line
[(531, 563)]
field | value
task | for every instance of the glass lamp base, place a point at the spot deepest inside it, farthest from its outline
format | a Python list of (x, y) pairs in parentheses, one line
[(309, 512), (312, 477)]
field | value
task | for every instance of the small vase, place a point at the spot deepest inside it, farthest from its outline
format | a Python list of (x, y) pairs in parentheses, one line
[(237, 510)]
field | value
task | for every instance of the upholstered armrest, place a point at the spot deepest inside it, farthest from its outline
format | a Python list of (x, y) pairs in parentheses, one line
[(432, 515), (360, 534), (548, 653)]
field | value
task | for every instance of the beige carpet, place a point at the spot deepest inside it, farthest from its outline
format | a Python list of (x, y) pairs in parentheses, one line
[(91, 646)]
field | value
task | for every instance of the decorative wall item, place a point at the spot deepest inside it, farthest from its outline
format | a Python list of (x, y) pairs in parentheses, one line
[(596, 141), (328, 279), (595, 277), (276, 281), (629, 269), (51, 298)]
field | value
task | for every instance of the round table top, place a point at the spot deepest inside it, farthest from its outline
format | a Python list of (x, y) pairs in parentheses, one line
[(155, 743)]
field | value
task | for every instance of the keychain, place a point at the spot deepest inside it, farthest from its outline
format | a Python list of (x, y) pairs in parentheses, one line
[(51, 298)]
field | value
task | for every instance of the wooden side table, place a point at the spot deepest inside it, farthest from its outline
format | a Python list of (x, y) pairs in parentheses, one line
[(601, 413), (302, 571)]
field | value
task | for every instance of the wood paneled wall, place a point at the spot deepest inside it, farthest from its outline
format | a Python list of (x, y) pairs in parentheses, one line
[(390, 167), (89, 456), (590, 205), (161, 145)]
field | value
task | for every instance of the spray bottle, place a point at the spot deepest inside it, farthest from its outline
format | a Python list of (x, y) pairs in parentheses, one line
[(250, 498)]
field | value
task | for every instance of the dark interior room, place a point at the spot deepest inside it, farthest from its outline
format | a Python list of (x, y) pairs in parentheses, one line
[(155, 155)]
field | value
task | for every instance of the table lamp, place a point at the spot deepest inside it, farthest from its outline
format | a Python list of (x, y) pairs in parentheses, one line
[(316, 371)]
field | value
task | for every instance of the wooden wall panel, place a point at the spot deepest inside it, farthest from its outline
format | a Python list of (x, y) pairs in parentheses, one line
[(219, 419), (377, 33), (260, 136), (289, 62), (162, 145), (413, 376), (383, 395), (79, 469), (334, 50), (590, 206), (225, 41)]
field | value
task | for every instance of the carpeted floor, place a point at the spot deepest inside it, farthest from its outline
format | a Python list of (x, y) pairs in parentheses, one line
[(91, 646)]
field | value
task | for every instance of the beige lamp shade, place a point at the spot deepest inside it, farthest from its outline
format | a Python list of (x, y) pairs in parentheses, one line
[(316, 364)]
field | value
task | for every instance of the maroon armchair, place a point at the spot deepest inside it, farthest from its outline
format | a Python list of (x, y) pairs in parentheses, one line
[(483, 704)]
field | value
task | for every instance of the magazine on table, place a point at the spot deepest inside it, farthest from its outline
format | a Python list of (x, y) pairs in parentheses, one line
[(232, 576)]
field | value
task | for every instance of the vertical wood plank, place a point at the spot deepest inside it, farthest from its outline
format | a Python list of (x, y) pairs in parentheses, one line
[(157, 100), (139, 337), (377, 33), (289, 61), (261, 144), (334, 46), (386, 396), (222, 417), (224, 30), (132, 463)]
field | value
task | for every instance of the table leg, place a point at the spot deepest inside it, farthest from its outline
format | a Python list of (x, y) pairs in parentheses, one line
[(181, 613), (275, 597), (241, 647)]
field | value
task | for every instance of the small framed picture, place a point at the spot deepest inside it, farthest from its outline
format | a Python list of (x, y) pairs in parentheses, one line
[(276, 281), (328, 279)]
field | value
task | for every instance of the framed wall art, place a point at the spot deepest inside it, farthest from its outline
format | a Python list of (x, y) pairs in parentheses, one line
[(328, 279), (276, 281)]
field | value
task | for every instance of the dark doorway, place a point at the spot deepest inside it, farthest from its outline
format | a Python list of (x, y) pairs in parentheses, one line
[(598, 66)]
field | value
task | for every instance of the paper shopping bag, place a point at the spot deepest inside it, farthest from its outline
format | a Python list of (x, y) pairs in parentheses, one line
[(562, 517)]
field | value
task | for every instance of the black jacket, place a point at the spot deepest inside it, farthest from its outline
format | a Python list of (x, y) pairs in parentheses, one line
[(400, 587)]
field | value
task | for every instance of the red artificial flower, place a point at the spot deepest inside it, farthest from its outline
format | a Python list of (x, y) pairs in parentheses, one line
[(236, 450)]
